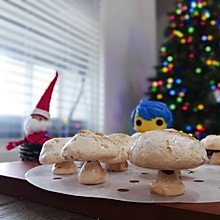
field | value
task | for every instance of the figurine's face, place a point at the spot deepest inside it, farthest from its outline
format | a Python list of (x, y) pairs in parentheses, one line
[(142, 125), (39, 118)]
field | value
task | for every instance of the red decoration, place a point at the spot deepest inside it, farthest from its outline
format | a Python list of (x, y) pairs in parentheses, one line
[(191, 55)]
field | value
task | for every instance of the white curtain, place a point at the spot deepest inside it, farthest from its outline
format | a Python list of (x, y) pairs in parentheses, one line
[(36, 39)]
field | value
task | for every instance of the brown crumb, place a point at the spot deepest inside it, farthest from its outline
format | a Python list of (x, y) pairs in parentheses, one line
[(182, 134), (99, 134), (105, 146), (169, 149)]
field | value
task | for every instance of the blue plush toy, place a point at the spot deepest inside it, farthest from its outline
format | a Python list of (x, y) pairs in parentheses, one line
[(150, 115)]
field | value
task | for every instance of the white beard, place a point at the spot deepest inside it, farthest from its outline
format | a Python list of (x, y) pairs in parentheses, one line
[(33, 125)]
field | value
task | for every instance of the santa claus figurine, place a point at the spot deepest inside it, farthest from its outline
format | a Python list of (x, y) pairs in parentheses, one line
[(36, 127)]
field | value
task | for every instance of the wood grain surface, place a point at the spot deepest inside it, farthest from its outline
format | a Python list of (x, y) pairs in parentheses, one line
[(18, 208)]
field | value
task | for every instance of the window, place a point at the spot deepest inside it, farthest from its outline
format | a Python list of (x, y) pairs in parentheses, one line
[(36, 39)]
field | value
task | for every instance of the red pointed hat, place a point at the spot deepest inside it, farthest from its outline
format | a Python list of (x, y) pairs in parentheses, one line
[(43, 106)]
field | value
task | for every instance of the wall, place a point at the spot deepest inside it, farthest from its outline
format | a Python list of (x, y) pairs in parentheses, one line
[(129, 34)]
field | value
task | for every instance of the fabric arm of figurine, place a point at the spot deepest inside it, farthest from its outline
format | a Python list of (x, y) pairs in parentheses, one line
[(12, 144), (44, 139)]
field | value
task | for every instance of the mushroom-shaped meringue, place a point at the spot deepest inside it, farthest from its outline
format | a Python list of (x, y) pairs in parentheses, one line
[(119, 163), (51, 154), (212, 145), (90, 147), (169, 151)]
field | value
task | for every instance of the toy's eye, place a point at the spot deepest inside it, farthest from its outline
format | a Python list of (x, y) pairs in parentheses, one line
[(138, 122), (159, 122)]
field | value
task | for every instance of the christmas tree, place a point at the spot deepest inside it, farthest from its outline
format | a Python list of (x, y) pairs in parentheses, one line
[(188, 76)]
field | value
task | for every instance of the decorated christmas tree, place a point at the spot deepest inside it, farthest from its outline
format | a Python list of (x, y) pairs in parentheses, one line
[(188, 76)]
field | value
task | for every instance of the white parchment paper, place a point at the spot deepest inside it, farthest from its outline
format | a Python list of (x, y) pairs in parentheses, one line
[(202, 185)]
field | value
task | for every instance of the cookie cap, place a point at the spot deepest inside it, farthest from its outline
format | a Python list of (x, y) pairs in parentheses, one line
[(122, 141), (211, 142), (88, 145), (167, 149), (51, 150)]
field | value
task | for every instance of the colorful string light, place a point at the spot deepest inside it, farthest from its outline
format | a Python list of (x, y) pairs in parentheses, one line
[(210, 62), (198, 70), (172, 107), (200, 107), (208, 49), (184, 24), (159, 96)]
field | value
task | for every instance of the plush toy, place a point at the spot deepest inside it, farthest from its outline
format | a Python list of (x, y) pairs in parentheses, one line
[(36, 127), (151, 115)]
